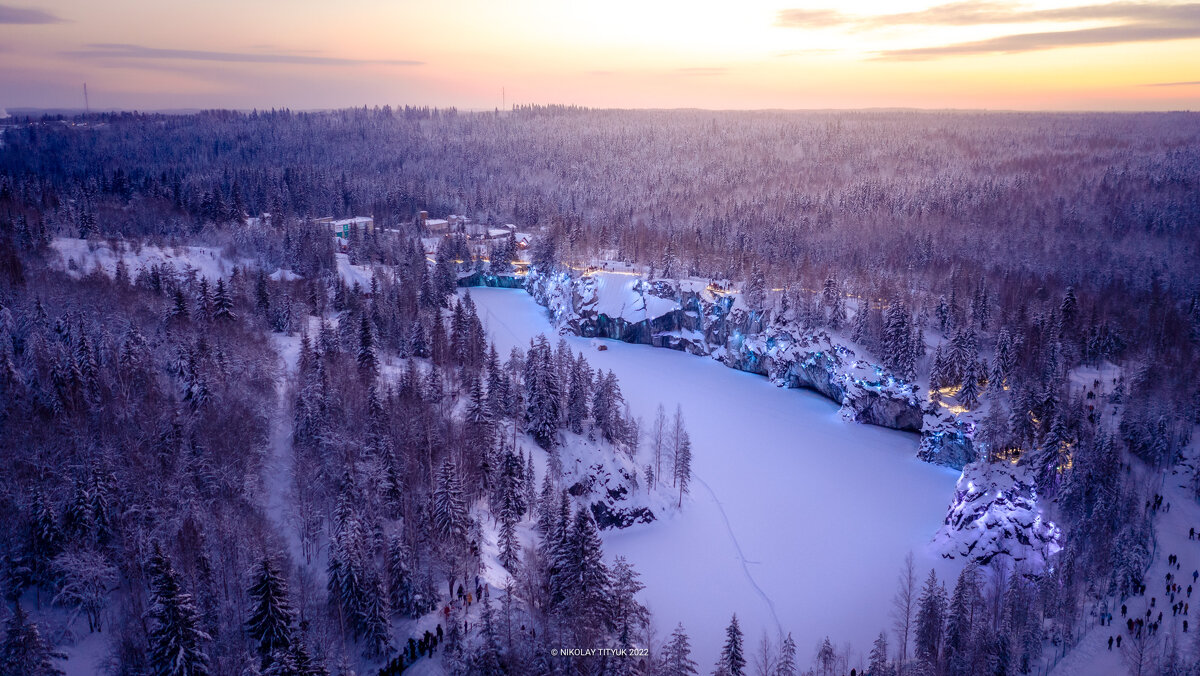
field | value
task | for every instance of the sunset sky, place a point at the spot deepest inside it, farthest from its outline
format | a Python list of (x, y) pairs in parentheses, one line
[(618, 53)]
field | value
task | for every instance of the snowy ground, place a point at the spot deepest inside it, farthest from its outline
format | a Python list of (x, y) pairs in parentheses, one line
[(1091, 656), (89, 255), (798, 521)]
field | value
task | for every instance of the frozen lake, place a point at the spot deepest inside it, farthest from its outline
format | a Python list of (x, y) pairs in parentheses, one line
[(798, 521)]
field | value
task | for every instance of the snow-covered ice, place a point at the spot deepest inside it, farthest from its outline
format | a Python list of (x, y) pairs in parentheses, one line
[(798, 520)]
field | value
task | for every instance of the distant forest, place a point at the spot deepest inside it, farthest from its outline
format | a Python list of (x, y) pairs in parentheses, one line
[(1018, 246)]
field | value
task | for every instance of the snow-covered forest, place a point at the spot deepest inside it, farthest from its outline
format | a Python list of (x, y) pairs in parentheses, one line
[(233, 443)]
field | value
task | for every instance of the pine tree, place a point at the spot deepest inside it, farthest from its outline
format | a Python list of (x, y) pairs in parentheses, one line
[(222, 303), (176, 639), (683, 465), (450, 516), (878, 665), (756, 290), (861, 330), (898, 350), (578, 394), (375, 613), (368, 362), (271, 616), (786, 666), (606, 406), (510, 505), (401, 583), (179, 307), (677, 655), (45, 537), (587, 577), (732, 661), (931, 612), (627, 614), (968, 396), (24, 650), (542, 412), (826, 657), (961, 621)]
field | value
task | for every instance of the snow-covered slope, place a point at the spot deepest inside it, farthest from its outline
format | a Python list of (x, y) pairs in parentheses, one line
[(80, 257)]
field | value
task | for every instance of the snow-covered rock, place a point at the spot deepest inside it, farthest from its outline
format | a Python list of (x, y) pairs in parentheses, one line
[(598, 475), (995, 512), (691, 317)]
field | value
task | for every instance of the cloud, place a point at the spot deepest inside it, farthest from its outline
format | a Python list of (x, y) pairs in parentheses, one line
[(991, 13), (812, 18), (1129, 22), (1173, 84), (1029, 42), (125, 51), (22, 15)]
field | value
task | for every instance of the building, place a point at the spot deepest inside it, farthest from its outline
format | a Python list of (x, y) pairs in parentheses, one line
[(343, 227)]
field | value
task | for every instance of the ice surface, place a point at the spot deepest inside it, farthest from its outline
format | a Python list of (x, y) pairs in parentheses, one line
[(798, 520)]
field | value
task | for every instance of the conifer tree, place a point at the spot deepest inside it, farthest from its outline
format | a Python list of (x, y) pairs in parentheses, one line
[(931, 613), (677, 655), (176, 639), (683, 465), (401, 583), (968, 396), (786, 665), (222, 303), (271, 616), (732, 661), (368, 362), (24, 651), (449, 503), (587, 577)]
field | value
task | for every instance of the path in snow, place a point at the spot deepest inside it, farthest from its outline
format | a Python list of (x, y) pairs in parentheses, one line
[(826, 509), (278, 470), (742, 557)]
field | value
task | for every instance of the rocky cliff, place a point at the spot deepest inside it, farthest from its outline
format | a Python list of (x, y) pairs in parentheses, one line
[(704, 321)]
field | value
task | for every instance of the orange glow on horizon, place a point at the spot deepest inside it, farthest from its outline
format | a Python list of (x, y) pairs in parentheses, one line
[(619, 53)]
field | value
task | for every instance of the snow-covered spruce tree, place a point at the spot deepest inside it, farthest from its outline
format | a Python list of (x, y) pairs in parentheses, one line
[(402, 592), (962, 621), (485, 659), (368, 361), (683, 465), (628, 615), (177, 643), (547, 510), (542, 393), (786, 665), (271, 615), (578, 392), (931, 614), (899, 355), (509, 506), (587, 578), (676, 659), (606, 406), (968, 396), (498, 384), (756, 290), (24, 651), (878, 664), (450, 517), (732, 660), (376, 613)]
